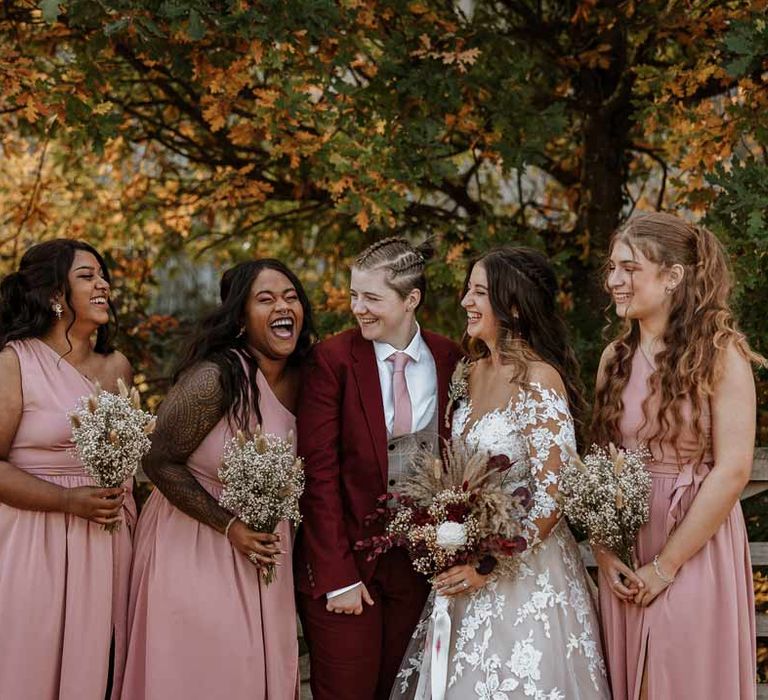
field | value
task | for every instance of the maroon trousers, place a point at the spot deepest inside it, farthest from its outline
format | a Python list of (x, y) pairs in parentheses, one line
[(356, 657)]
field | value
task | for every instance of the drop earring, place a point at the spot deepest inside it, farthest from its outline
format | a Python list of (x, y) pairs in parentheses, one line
[(57, 309), (241, 333)]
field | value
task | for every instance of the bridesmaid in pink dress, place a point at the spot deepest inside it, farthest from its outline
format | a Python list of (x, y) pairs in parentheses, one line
[(202, 622), (63, 578), (678, 380)]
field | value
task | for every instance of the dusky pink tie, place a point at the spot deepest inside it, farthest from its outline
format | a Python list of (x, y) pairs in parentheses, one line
[(400, 396)]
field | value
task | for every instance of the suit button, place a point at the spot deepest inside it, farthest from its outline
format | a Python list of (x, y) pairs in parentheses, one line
[(392, 482), (391, 446)]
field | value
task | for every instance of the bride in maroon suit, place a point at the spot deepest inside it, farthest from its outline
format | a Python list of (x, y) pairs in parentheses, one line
[(370, 396)]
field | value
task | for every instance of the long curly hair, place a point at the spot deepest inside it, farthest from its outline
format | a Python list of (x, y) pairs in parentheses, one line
[(700, 327), (522, 290), (217, 339), (26, 295)]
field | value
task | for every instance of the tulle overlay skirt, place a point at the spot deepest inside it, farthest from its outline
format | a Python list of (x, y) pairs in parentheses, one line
[(534, 636)]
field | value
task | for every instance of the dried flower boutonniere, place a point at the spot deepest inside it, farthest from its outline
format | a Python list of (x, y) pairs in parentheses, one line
[(458, 388)]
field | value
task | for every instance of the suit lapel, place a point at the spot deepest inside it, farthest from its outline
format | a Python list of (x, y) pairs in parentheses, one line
[(366, 374)]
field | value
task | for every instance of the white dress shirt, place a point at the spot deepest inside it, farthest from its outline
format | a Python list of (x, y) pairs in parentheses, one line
[(421, 379)]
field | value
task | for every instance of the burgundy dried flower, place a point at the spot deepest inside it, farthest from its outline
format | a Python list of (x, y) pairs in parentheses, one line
[(456, 512), (499, 463), (524, 495)]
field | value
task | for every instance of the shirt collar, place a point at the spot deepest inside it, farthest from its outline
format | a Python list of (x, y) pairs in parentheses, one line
[(385, 350)]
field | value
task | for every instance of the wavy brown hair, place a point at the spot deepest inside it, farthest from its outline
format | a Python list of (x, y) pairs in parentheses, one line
[(522, 290), (700, 327)]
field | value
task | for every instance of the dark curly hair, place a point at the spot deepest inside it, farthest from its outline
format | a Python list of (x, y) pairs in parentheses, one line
[(26, 294), (216, 339), (522, 290)]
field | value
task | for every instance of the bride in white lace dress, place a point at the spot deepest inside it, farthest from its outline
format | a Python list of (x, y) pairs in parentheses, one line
[(534, 635)]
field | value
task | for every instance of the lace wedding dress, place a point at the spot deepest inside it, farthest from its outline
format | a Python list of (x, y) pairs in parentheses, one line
[(535, 635)]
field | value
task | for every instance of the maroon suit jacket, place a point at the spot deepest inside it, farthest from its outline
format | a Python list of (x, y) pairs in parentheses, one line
[(342, 437)]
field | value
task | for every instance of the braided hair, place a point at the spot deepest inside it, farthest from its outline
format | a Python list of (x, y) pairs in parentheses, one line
[(522, 290), (402, 262)]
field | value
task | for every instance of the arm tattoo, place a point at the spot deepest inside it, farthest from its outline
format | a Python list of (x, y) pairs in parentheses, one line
[(191, 410)]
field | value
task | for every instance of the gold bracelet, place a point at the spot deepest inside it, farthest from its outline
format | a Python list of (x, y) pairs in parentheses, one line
[(666, 579), (229, 525)]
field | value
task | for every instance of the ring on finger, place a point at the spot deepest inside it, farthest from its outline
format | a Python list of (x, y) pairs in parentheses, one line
[(254, 557)]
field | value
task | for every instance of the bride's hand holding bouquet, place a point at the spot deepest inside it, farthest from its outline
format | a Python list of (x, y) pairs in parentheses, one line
[(454, 515)]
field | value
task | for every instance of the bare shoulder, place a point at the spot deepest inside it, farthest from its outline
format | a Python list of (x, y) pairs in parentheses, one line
[(115, 366), (609, 352), (10, 373), (12, 405), (546, 376), (121, 366), (735, 368), (9, 363)]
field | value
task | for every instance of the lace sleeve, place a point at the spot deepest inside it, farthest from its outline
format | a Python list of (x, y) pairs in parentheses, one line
[(547, 427), (191, 410)]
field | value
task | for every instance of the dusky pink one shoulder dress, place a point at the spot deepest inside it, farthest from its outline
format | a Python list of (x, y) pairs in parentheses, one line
[(63, 579), (202, 623)]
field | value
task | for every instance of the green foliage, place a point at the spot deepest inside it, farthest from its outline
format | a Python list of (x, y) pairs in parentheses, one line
[(740, 217), (307, 129)]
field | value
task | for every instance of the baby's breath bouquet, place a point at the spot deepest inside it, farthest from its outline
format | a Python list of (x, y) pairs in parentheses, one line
[(606, 495), (263, 481), (453, 511), (111, 435)]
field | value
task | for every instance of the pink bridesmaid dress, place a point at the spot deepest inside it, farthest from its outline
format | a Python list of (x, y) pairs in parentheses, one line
[(63, 579), (202, 623), (698, 637)]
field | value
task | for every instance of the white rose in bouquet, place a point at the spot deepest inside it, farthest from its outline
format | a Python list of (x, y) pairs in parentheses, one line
[(451, 535)]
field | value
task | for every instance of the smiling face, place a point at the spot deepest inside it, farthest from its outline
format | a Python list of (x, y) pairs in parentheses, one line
[(88, 292), (482, 323), (638, 285), (273, 315), (382, 314)]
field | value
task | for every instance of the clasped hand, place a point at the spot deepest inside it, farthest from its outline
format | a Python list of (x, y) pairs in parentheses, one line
[(637, 587)]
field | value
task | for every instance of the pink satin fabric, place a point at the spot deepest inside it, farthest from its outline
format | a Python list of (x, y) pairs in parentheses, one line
[(698, 637), (63, 579), (202, 623)]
